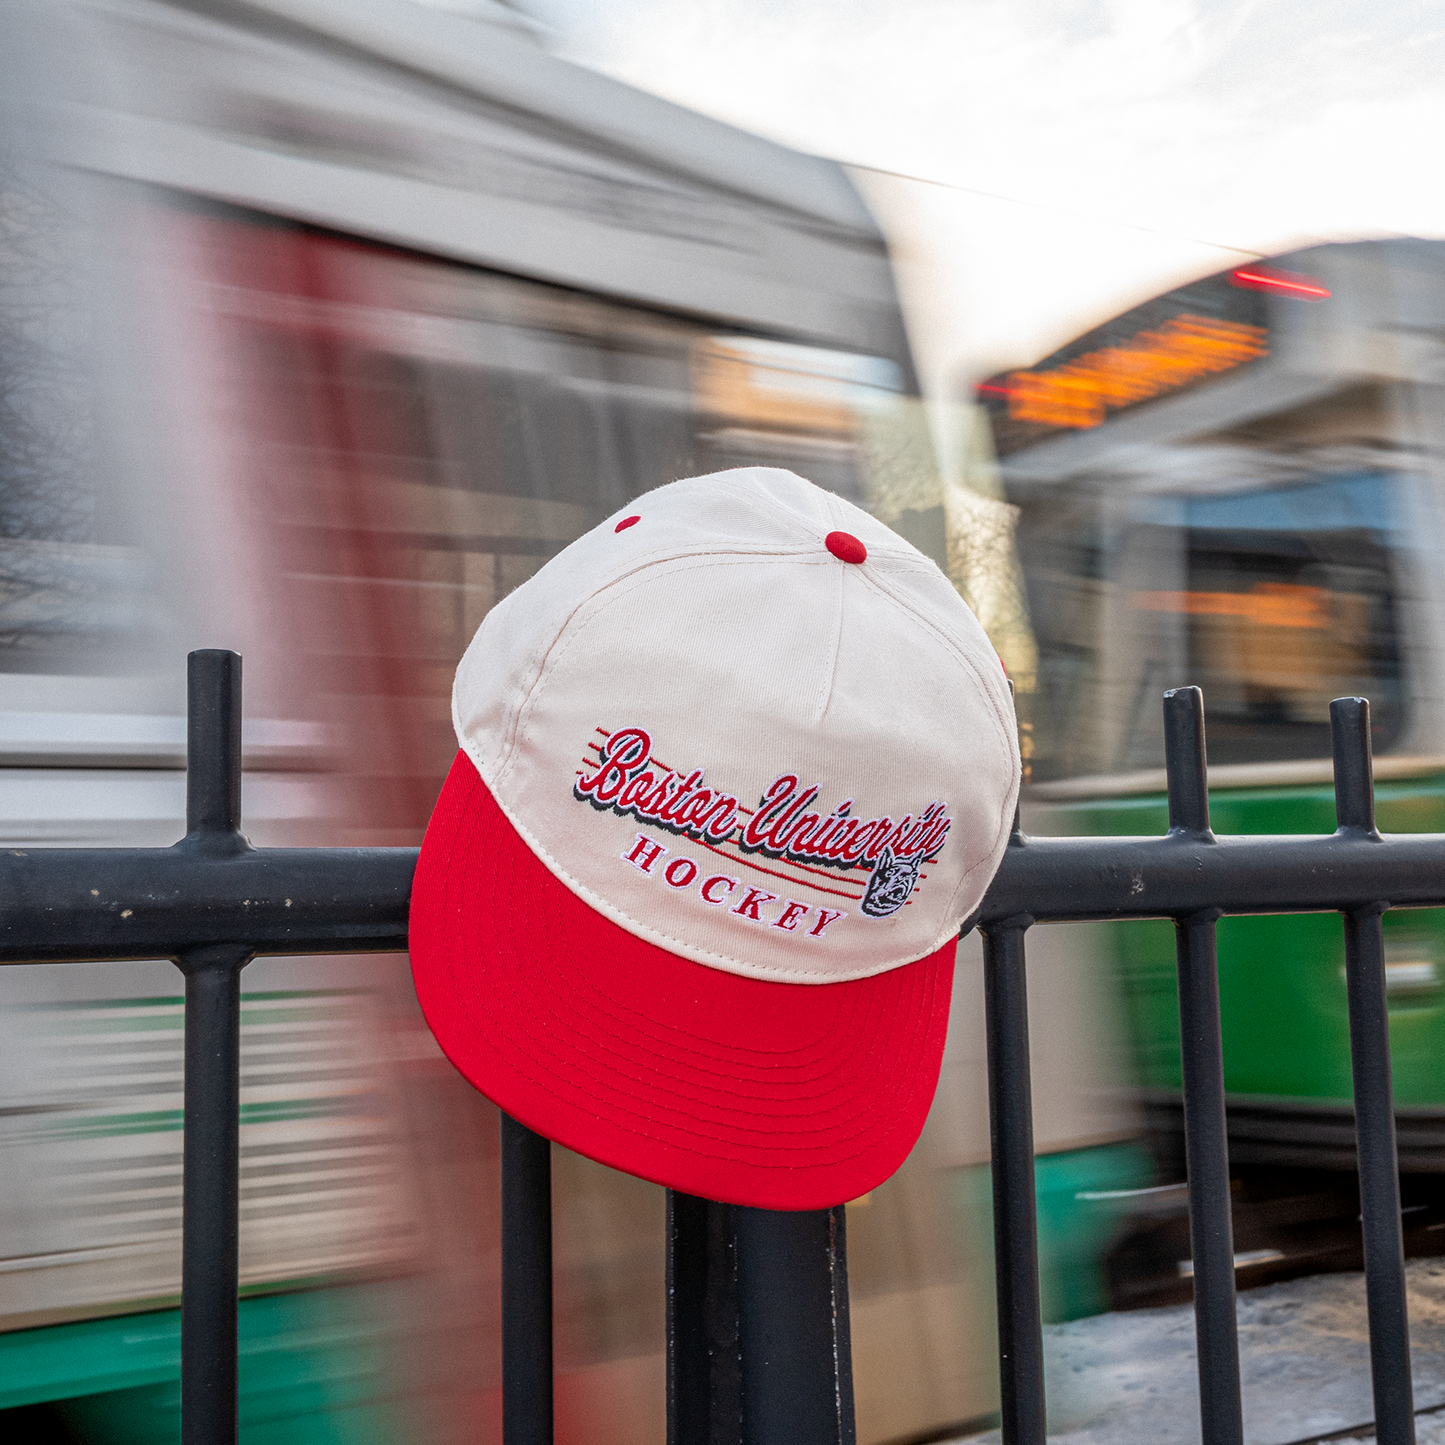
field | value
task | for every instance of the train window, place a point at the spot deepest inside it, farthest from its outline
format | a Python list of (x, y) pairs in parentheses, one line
[(1288, 603), (1273, 600), (767, 400), (72, 593)]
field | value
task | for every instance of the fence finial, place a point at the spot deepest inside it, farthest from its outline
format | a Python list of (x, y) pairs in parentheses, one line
[(213, 749), (1354, 773), (1184, 761)]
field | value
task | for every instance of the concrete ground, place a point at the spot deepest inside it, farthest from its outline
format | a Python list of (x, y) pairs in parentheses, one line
[(1129, 1379)]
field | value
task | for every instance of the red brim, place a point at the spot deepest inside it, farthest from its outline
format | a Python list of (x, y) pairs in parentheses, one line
[(782, 1096)]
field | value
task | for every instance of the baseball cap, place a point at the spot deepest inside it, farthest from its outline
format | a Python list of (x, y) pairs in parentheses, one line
[(734, 767)]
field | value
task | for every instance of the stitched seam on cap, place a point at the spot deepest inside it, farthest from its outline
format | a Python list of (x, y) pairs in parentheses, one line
[(904, 604), (602, 601), (633, 568), (842, 514), (995, 712), (753, 496), (825, 688), (758, 498)]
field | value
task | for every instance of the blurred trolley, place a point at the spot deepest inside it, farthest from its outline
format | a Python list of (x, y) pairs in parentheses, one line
[(323, 324), (1241, 484)]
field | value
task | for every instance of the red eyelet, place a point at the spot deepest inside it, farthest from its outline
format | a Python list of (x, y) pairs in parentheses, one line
[(625, 523)]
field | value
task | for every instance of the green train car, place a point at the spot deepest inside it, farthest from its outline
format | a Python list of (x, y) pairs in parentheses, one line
[(1238, 484)]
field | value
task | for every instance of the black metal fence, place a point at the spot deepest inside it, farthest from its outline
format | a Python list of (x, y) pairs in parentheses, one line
[(757, 1300)]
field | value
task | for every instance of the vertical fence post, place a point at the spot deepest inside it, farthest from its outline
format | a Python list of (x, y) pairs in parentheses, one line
[(1015, 1211), (1374, 1102), (758, 1340), (704, 1375), (210, 1193), (1206, 1137), (211, 1142), (793, 1330), (1022, 1405), (526, 1286)]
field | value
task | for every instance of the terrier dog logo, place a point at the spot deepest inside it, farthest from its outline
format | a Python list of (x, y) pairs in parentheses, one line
[(891, 883)]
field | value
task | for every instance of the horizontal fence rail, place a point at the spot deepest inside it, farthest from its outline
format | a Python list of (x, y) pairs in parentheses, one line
[(757, 1307)]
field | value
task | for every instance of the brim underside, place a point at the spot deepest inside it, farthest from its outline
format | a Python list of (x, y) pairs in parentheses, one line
[(781, 1096)]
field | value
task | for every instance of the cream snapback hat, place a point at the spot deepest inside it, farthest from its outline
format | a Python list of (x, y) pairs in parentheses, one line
[(734, 768)]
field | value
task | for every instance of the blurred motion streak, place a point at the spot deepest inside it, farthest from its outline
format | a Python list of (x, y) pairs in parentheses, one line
[(1268, 604), (1283, 283), (323, 325)]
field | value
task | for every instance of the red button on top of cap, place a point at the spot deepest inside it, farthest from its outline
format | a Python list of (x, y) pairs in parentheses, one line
[(845, 547), (625, 523)]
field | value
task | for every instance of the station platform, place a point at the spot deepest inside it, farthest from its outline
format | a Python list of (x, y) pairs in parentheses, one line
[(1129, 1378)]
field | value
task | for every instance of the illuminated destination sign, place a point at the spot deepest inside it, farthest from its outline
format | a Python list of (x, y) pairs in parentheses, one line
[(1183, 339), (1082, 392)]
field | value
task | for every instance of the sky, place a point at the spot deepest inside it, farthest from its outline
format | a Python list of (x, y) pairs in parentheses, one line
[(1040, 165)]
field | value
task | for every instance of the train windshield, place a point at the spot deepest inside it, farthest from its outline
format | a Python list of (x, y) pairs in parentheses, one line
[(1231, 485), (1274, 599)]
